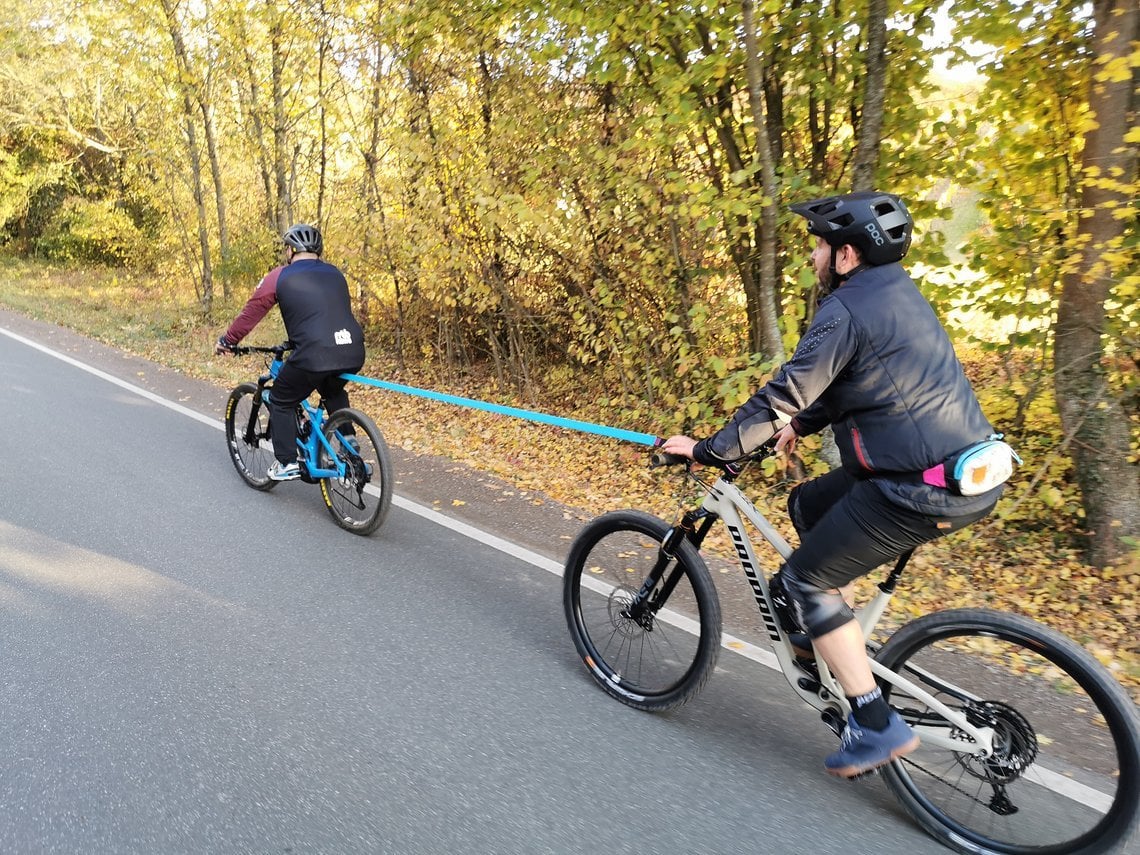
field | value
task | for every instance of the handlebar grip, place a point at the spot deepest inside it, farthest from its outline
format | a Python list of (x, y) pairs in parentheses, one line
[(660, 458)]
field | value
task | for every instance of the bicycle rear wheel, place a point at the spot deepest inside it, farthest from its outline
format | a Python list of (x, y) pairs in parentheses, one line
[(1065, 771), (360, 500), (247, 436), (640, 652)]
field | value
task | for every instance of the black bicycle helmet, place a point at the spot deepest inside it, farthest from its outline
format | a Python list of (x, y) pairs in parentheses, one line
[(877, 224), (304, 238)]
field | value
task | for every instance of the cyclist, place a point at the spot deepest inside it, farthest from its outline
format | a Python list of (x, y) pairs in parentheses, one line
[(877, 365), (327, 339)]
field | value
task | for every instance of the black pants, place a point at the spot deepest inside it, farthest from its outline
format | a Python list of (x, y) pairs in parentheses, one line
[(292, 386), (848, 527)]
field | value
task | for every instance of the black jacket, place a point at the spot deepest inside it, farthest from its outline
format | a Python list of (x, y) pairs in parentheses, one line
[(878, 367), (317, 310)]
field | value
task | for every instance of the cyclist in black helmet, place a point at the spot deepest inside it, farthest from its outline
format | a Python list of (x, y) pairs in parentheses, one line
[(327, 340), (877, 366)]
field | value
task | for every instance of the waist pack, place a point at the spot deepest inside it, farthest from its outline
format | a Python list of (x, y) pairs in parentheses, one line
[(976, 469)]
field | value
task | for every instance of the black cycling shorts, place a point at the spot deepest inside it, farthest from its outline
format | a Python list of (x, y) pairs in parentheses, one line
[(848, 527)]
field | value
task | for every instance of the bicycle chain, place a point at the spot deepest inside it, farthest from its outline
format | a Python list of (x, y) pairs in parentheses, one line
[(955, 787)]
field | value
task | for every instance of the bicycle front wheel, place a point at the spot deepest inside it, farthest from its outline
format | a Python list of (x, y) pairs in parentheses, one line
[(247, 436), (358, 501), (1065, 770), (652, 652)]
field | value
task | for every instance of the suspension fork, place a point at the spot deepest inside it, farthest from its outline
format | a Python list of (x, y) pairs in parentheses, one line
[(259, 401), (693, 527)]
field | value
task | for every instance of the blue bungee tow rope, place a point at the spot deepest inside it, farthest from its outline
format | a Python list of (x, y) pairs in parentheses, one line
[(544, 418)]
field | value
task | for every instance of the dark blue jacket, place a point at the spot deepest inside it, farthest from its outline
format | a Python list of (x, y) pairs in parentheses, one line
[(878, 367), (317, 310)]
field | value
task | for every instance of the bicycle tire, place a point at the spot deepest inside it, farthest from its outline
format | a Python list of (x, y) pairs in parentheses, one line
[(663, 660), (1065, 772), (360, 501), (250, 459)]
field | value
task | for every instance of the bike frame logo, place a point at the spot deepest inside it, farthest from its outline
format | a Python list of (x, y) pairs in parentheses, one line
[(757, 591)]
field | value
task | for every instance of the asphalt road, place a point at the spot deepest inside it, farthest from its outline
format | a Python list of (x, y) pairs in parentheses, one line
[(193, 666)]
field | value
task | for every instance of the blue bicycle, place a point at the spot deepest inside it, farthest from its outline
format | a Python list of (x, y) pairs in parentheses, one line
[(343, 451)]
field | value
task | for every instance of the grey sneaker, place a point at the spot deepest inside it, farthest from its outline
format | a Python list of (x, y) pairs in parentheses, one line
[(279, 471), (864, 749)]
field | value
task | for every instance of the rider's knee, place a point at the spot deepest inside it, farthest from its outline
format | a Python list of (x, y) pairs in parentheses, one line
[(818, 610)]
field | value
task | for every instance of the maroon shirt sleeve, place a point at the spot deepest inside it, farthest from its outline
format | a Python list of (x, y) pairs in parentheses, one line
[(263, 299)]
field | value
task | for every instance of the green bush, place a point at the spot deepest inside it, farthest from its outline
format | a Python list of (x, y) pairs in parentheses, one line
[(91, 231), (251, 255)]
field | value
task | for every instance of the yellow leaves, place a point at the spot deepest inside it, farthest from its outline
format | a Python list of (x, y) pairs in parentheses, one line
[(1118, 69)]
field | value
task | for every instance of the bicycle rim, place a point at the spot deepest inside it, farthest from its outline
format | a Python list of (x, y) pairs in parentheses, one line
[(1065, 771), (358, 501), (247, 439), (657, 659)]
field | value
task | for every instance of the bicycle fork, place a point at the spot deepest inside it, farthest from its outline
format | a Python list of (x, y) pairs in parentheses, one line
[(645, 605)]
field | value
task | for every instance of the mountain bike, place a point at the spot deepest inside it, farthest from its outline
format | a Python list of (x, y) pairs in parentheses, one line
[(343, 451), (1028, 745)]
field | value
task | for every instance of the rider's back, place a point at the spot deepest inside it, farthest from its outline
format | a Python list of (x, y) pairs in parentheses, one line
[(317, 309)]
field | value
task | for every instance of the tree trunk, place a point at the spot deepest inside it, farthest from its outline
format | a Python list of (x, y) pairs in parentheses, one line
[(769, 339), (250, 100), (1090, 412), (369, 187), (219, 196), (870, 129), (283, 204), (185, 85), (322, 56)]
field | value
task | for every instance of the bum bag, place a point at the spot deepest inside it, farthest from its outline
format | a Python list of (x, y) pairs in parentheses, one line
[(975, 469)]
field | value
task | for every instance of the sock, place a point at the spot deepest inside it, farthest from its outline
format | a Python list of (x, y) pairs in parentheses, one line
[(871, 710)]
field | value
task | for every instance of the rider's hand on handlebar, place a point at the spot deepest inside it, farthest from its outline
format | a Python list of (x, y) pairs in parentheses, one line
[(223, 347), (786, 439), (681, 446)]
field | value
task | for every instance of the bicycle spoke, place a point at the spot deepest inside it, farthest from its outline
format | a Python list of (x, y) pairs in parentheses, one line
[(358, 500), (247, 436), (1063, 745), (638, 653)]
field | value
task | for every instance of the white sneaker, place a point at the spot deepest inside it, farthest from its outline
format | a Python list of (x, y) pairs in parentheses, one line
[(279, 471)]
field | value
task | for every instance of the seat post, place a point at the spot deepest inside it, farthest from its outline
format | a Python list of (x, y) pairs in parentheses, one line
[(888, 585)]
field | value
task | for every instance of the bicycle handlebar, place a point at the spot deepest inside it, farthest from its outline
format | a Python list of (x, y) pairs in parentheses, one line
[(732, 468), (277, 350)]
